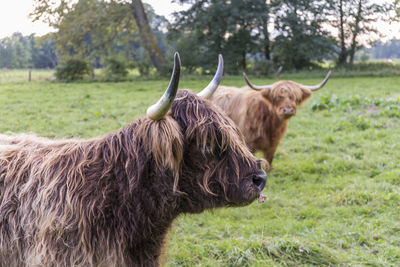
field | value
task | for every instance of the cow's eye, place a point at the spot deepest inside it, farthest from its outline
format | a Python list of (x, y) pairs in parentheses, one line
[(208, 148)]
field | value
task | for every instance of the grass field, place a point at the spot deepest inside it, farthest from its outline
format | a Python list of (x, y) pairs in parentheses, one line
[(333, 193)]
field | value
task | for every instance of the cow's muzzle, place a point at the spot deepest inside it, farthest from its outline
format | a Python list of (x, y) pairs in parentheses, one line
[(289, 111)]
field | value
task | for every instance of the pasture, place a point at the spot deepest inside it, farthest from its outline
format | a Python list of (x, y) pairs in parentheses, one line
[(333, 193)]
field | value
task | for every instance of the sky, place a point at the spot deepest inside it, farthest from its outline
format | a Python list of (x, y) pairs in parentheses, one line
[(14, 17)]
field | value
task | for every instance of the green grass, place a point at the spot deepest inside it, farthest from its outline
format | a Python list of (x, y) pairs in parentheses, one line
[(333, 193)]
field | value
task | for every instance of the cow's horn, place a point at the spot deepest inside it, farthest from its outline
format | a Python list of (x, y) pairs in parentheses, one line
[(255, 87), (212, 86), (316, 87), (159, 109)]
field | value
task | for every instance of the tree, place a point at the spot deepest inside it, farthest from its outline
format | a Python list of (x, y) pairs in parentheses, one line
[(248, 26), (20, 51), (356, 20), (99, 28), (43, 52), (7, 54), (15, 52), (146, 33), (204, 23), (94, 29), (388, 50), (232, 27), (301, 39)]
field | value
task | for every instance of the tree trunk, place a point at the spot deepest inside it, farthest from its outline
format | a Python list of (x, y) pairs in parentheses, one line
[(267, 45), (343, 51), (355, 32), (243, 61), (148, 39)]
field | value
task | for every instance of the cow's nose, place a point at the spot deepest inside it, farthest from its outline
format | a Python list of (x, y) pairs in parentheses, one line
[(259, 180), (288, 111)]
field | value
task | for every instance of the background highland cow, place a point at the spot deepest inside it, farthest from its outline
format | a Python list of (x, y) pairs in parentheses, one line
[(109, 201), (262, 113)]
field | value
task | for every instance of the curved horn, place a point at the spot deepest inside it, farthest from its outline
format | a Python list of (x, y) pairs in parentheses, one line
[(207, 92), (159, 109), (316, 87), (255, 87)]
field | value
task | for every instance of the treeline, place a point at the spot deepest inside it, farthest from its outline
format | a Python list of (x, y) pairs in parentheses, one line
[(18, 52), (386, 50), (253, 35), (263, 34)]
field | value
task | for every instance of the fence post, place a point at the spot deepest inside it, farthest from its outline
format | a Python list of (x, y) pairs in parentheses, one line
[(30, 75)]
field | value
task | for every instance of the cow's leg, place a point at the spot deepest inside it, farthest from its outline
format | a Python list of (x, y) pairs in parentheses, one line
[(269, 154)]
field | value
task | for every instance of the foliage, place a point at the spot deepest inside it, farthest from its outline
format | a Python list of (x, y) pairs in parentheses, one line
[(93, 29), (363, 56), (223, 34), (239, 34), (355, 24), (115, 69), (15, 52), (367, 110), (353, 102), (97, 30), (370, 68), (249, 33), (294, 33), (73, 69), (20, 51), (44, 52), (261, 66), (189, 51), (386, 50), (300, 27)]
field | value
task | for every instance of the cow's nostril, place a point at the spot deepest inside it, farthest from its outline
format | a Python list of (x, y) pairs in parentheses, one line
[(259, 181)]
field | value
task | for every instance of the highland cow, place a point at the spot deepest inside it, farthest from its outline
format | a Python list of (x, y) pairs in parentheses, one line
[(110, 200), (262, 113)]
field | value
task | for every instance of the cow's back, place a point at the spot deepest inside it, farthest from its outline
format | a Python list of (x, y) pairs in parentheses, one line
[(235, 102), (246, 108)]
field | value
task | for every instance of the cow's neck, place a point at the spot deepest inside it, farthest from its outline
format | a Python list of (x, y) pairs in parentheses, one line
[(276, 128), (144, 205)]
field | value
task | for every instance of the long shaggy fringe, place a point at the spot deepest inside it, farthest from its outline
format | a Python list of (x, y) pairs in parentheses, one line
[(221, 143)]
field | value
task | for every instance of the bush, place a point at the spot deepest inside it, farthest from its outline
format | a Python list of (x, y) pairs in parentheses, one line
[(263, 67), (73, 69), (115, 69), (364, 56), (368, 66), (144, 67)]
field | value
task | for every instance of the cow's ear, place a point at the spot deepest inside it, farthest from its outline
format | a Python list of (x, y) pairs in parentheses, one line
[(306, 94), (266, 93)]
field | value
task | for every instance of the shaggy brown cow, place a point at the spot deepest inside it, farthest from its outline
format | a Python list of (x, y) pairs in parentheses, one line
[(262, 113), (110, 200)]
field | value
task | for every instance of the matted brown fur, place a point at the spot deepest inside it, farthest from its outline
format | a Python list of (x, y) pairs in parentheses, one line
[(109, 201), (262, 115)]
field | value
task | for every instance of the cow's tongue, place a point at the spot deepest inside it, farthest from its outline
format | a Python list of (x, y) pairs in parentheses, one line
[(261, 198)]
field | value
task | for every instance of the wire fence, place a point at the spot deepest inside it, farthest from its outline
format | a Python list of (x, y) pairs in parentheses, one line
[(25, 75)]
